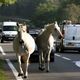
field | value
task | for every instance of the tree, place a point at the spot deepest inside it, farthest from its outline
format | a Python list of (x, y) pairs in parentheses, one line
[(71, 12), (7, 1), (45, 12)]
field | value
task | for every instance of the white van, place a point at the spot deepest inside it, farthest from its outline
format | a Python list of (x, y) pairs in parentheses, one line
[(71, 40), (9, 30)]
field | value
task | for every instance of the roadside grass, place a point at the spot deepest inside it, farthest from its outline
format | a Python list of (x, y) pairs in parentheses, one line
[(2, 73)]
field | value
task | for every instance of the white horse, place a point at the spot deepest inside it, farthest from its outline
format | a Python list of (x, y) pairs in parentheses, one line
[(45, 43), (24, 46)]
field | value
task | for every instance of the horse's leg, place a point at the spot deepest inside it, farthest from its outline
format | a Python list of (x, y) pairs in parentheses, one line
[(41, 61), (19, 65), (25, 66), (48, 60), (25, 69)]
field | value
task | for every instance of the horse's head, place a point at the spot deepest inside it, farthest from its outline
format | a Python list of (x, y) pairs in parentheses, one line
[(21, 30), (58, 29), (54, 29)]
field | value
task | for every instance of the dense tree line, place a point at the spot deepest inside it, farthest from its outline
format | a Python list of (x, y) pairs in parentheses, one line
[(41, 12), (6, 2)]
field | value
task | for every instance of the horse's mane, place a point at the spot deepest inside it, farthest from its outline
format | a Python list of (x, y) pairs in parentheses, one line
[(47, 29), (47, 26)]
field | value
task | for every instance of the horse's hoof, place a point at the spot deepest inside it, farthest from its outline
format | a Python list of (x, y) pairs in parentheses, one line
[(25, 77), (42, 69), (20, 74)]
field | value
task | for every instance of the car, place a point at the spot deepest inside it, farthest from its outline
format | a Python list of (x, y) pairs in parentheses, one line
[(71, 40), (9, 30), (34, 32)]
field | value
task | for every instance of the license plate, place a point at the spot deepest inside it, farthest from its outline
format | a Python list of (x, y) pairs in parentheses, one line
[(10, 38), (70, 44)]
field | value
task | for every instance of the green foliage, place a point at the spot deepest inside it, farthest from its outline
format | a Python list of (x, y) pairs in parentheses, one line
[(45, 11), (77, 2), (2, 73), (70, 12), (41, 12), (7, 1), (46, 7)]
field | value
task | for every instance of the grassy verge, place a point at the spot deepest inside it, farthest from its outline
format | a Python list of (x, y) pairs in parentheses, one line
[(2, 73)]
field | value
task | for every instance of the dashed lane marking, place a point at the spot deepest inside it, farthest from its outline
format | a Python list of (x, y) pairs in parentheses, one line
[(77, 63), (11, 66), (63, 57)]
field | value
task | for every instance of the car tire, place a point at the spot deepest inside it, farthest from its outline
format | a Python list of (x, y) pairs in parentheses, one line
[(79, 50), (2, 40), (61, 49), (52, 56), (57, 48)]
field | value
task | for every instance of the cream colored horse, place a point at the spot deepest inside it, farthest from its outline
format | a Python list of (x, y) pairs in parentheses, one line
[(24, 46), (45, 43)]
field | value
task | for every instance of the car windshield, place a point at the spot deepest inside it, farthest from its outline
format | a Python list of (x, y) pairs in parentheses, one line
[(10, 28)]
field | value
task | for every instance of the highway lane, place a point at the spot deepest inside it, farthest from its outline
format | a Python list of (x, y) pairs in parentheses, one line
[(65, 67)]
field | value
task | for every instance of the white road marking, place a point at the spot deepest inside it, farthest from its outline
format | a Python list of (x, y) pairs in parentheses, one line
[(11, 66), (62, 57), (58, 55), (77, 63), (66, 58)]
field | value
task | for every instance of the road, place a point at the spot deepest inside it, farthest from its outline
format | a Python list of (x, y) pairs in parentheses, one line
[(65, 67)]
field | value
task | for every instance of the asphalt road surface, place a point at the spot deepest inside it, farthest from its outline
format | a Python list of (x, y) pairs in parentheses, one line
[(65, 67)]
